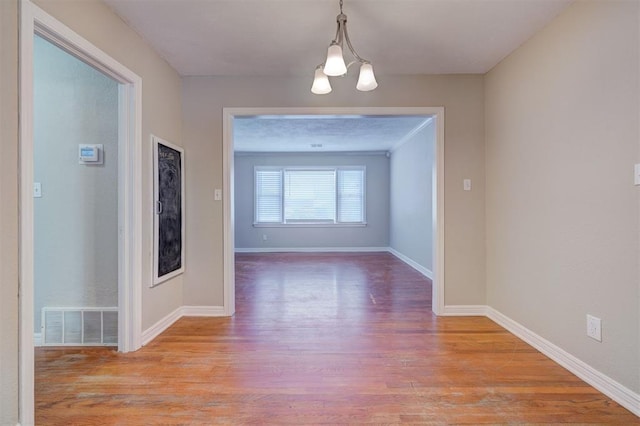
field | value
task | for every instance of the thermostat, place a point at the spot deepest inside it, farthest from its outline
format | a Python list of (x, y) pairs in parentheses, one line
[(90, 154)]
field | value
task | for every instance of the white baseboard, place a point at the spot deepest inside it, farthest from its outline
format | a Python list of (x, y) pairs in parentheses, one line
[(154, 331), (183, 311), (37, 339), (415, 265), (311, 250), (464, 310), (203, 311), (605, 384)]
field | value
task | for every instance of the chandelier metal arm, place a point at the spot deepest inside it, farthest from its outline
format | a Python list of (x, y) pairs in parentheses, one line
[(353, 51), (354, 62), (338, 38)]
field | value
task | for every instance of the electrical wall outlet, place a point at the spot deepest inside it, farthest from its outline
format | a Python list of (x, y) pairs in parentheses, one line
[(594, 328), (264, 237)]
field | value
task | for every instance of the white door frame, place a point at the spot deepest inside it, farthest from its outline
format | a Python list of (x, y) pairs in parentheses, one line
[(229, 114), (34, 20)]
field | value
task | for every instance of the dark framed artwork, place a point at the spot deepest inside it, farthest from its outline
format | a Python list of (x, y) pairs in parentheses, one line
[(168, 217)]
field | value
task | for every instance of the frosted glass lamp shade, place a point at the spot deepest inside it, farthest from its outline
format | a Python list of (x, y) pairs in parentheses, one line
[(321, 85), (366, 80), (334, 65)]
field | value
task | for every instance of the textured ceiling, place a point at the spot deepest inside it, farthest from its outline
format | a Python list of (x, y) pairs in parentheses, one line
[(323, 133), (290, 37)]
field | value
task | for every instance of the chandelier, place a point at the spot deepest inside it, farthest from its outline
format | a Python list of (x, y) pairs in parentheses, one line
[(335, 65)]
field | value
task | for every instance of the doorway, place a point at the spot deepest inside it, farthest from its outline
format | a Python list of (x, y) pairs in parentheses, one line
[(75, 139), (34, 22), (437, 223)]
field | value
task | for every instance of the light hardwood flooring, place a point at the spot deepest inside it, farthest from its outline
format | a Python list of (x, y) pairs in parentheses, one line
[(320, 339)]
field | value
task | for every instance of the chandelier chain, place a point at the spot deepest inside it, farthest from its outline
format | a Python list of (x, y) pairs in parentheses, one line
[(340, 6)]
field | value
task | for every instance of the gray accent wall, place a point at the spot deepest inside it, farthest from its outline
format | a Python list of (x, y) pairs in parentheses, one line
[(76, 218), (374, 234), (411, 218)]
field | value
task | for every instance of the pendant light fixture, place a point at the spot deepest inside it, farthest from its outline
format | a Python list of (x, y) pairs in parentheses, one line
[(335, 65)]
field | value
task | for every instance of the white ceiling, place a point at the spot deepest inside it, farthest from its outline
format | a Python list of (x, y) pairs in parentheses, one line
[(290, 37), (323, 133)]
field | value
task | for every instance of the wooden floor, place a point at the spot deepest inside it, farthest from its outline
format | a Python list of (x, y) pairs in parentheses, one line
[(320, 339)]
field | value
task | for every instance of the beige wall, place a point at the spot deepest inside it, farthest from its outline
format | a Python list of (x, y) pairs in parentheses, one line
[(9, 212), (161, 110), (562, 212), (462, 97)]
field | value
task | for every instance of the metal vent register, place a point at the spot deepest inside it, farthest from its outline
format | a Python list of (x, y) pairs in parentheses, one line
[(79, 326)]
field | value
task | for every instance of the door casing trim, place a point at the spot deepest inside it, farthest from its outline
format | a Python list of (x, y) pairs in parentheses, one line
[(438, 288), (34, 20)]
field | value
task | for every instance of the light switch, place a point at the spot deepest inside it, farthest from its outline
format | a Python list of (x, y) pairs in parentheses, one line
[(217, 194), (37, 190), (466, 184), (636, 174)]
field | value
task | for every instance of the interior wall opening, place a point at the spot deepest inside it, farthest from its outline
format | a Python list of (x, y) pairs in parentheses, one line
[(401, 182), (75, 161)]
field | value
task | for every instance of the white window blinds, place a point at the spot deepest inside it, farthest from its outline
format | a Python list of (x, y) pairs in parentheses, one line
[(328, 195), (268, 196), (351, 196), (309, 196)]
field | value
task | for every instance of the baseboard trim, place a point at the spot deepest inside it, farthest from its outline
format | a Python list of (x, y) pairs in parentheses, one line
[(415, 265), (37, 339), (464, 311), (203, 311), (311, 250), (156, 329), (605, 384), (183, 311)]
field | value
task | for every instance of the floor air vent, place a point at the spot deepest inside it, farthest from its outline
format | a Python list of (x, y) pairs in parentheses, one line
[(79, 326)]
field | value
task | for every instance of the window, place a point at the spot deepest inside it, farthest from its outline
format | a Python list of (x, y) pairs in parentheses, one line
[(269, 196), (323, 195)]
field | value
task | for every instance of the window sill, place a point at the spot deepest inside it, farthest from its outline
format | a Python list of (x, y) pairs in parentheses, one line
[(309, 225)]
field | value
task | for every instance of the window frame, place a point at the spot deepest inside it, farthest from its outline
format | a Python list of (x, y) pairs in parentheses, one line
[(303, 223)]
